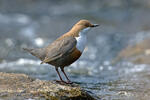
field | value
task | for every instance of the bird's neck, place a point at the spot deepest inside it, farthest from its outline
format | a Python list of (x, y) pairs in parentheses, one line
[(76, 32), (81, 41)]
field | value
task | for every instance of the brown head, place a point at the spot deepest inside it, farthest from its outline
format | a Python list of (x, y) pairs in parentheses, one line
[(85, 23), (81, 25)]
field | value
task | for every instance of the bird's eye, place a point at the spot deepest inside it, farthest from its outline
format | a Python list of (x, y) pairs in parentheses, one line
[(87, 25)]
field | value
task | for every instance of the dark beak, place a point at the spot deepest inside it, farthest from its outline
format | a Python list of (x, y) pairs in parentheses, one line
[(94, 25)]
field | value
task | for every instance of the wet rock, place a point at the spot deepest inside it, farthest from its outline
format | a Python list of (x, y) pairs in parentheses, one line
[(138, 53), (21, 86)]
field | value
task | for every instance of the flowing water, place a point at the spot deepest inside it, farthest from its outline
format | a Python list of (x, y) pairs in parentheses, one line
[(35, 24)]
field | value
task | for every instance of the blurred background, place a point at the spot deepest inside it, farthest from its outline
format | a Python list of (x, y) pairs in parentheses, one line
[(115, 64)]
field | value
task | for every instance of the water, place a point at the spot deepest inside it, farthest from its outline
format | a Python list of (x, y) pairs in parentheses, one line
[(123, 81), (38, 24)]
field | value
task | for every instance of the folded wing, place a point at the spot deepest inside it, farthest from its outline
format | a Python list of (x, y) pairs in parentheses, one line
[(59, 48)]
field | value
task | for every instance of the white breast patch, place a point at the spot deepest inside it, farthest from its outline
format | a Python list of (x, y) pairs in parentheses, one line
[(82, 39)]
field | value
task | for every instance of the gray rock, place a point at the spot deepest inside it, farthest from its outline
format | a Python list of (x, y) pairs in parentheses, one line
[(139, 53), (20, 86)]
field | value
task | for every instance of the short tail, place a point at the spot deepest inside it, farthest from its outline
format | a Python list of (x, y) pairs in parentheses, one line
[(39, 53), (27, 49)]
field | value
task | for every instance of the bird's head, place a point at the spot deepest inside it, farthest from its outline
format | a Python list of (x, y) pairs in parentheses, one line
[(83, 26)]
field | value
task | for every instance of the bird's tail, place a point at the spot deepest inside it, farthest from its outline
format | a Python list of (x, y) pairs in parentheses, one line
[(30, 51), (39, 53), (27, 49)]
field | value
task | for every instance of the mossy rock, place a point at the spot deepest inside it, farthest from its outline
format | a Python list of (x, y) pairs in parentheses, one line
[(21, 86)]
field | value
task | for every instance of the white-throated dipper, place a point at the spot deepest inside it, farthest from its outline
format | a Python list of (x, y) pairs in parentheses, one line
[(66, 49)]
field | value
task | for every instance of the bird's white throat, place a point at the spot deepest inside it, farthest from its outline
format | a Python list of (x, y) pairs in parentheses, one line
[(82, 39)]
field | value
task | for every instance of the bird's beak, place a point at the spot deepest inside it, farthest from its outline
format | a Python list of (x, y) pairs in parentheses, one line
[(94, 25)]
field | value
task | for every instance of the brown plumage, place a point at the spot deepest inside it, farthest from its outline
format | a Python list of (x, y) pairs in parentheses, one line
[(63, 51)]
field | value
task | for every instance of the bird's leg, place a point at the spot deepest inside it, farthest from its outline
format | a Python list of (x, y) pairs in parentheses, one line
[(56, 68), (68, 81)]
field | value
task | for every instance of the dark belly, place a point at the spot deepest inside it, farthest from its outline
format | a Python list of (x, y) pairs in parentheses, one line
[(66, 60)]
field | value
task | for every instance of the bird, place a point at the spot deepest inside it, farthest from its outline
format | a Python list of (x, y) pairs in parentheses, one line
[(66, 49)]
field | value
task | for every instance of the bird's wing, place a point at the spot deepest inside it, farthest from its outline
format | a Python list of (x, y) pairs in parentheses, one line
[(60, 48)]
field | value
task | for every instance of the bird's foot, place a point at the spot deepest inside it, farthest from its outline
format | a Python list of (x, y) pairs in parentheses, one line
[(63, 82), (60, 82)]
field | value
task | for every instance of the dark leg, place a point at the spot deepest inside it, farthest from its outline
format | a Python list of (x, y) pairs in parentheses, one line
[(62, 69), (58, 74)]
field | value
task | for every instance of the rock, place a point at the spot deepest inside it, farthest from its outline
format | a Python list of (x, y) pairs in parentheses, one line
[(21, 86), (138, 53)]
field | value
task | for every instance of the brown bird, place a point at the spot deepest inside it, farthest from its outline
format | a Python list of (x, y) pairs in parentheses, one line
[(66, 49)]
